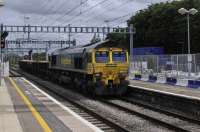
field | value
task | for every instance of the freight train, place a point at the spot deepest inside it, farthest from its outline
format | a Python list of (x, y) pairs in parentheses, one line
[(97, 68)]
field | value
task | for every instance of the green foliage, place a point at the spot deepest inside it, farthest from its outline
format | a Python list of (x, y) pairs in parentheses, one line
[(119, 40), (39, 56), (161, 25), (13, 59)]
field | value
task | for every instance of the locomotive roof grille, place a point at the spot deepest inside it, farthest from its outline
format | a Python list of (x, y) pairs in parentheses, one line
[(78, 49)]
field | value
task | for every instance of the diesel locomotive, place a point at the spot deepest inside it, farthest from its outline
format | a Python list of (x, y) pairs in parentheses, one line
[(94, 68)]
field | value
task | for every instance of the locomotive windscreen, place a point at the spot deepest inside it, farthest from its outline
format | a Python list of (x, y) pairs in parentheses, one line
[(119, 56), (102, 56)]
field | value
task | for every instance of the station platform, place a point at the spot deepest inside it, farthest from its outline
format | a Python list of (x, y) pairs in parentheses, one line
[(167, 89), (26, 108)]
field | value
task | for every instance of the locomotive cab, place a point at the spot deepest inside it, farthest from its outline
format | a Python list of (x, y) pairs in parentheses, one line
[(93, 68), (110, 70)]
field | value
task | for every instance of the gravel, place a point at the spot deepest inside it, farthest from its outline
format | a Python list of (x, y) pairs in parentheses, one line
[(132, 122), (161, 116)]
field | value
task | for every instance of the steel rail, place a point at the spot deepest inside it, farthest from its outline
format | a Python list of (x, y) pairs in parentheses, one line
[(88, 110), (169, 113), (147, 117)]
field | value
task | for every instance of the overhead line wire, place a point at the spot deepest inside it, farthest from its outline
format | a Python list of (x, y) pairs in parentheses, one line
[(44, 4), (117, 18), (124, 3), (70, 11), (57, 9), (83, 11), (89, 10), (51, 6), (86, 11)]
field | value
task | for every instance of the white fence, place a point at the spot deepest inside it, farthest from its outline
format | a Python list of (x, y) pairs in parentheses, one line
[(180, 66)]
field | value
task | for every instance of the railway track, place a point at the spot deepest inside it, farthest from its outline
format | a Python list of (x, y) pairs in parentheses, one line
[(161, 110), (13, 73), (169, 120), (89, 114), (186, 107), (127, 105)]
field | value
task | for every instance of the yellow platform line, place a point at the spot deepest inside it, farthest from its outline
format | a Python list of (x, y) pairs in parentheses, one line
[(35, 113)]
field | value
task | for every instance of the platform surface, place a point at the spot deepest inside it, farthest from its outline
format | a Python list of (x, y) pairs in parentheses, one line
[(25, 108), (8, 117), (170, 89)]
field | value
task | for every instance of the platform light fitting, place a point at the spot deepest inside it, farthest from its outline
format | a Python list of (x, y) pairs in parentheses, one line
[(193, 11), (183, 11)]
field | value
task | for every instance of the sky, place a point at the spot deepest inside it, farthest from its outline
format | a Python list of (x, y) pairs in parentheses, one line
[(74, 12)]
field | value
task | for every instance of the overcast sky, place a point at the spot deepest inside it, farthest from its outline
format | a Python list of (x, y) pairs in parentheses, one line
[(74, 12)]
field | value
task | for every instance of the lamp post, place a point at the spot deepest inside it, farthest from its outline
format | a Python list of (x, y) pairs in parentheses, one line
[(189, 12)]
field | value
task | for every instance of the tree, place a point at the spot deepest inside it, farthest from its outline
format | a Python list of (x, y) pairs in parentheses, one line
[(119, 40), (161, 25)]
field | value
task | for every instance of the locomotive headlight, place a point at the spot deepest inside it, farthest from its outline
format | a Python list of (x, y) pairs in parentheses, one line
[(98, 76)]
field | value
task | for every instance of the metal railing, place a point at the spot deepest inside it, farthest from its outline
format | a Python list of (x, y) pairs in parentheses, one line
[(182, 66)]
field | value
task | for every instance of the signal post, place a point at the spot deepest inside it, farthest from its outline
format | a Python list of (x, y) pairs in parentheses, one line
[(3, 36)]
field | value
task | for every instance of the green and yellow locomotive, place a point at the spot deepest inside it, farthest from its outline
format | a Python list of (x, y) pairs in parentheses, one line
[(93, 68)]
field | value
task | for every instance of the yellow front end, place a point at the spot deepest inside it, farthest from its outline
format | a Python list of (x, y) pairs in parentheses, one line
[(110, 76)]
